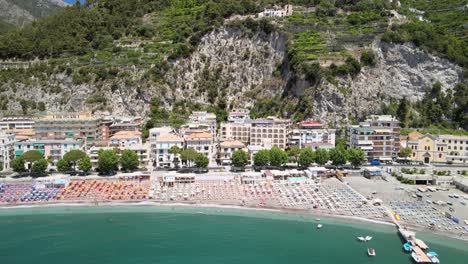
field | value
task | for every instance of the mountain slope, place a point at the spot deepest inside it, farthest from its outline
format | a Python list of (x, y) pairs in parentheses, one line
[(22, 12), (324, 61)]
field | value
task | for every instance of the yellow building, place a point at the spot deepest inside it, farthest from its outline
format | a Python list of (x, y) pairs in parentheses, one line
[(426, 148)]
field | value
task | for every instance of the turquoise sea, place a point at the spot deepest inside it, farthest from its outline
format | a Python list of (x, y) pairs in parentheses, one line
[(148, 234)]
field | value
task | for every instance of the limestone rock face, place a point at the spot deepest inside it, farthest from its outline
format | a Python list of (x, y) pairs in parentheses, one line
[(241, 67)]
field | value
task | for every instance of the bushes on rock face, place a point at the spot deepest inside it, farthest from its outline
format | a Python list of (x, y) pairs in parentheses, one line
[(368, 58)]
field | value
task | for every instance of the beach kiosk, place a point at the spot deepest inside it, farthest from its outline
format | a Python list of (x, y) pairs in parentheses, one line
[(317, 172), (372, 172)]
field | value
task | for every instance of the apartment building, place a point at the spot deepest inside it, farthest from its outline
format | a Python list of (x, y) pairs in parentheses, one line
[(239, 115), (21, 126), (312, 134), (69, 125), (270, 131), (236, 131), (52, 149), (160, 150), (226, 148), (237, 127), (125, 124), (202, 142), (378, 137), (7, 149), (276, 11), (142, 150), (125, 139), (200, 121)]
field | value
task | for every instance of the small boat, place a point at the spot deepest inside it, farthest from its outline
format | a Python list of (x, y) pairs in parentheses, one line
[(319, 226), (368, 238), (433, 257), (371, 252), (361, 239), (317, 219), (407, 247)]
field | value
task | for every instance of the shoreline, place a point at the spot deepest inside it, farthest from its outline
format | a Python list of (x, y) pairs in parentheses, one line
[(283, 211)]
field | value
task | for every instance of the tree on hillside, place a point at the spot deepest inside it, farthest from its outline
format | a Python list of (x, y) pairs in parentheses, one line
[(293, 153), (338, 156), (403, 112), (108, 161), (239, 158), (262, 158), (188, 155), (306, 157), (73, 156), (278, 157), (18, 165), (356, 157), (129, 160), (85, 164), (321, 156), (201, 161), (63, 165)]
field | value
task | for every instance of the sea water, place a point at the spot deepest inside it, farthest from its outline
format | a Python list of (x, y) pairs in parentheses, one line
[(149, 234)]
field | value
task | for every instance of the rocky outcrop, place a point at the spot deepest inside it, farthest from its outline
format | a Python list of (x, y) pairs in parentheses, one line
[(406, 71), (21, 13), (401, 71), (239, 62)]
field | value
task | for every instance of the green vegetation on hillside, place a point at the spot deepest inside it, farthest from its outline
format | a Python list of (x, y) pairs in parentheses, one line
[(4, 27)]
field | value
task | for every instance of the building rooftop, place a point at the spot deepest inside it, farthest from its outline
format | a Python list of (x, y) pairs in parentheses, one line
[(169, 138), (126, 135), (232, 144), (199, 135), (68, 116)]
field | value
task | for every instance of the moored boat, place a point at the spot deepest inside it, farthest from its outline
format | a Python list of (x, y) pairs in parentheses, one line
[(371, 252), (361, 239), (407, 247), (319, 226), (368, 238)]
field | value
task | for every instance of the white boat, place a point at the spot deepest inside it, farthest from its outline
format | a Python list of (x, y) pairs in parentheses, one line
[(371, 252), (319, 226), (361, 239), (368, 238)]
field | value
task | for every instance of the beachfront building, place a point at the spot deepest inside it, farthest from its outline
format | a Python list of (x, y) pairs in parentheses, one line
[(125, 139), (154, 133), (238, 126), (378, 137), (425, 148), (7, 149), (82, 126), (50, 148), (21, 126), (142, 150), (226, 148), (160, 150), (202, 142), (270, 131), (276, 11), (438, 148), (457, 148), (236, 131), (311, 134)]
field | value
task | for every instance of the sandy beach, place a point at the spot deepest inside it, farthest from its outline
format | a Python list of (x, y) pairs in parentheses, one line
[(329, 198)]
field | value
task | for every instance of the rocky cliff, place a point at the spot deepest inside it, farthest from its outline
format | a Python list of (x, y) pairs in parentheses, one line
[(20, 13), (238, 68)]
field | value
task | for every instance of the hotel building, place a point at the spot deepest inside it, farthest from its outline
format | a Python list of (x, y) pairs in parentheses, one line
[(201, 142), (125, 139), (378, 137), (7, 149), (310, 134), (270, 131), (226, 148), (69, 125), (53, 149), (160, 148)]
